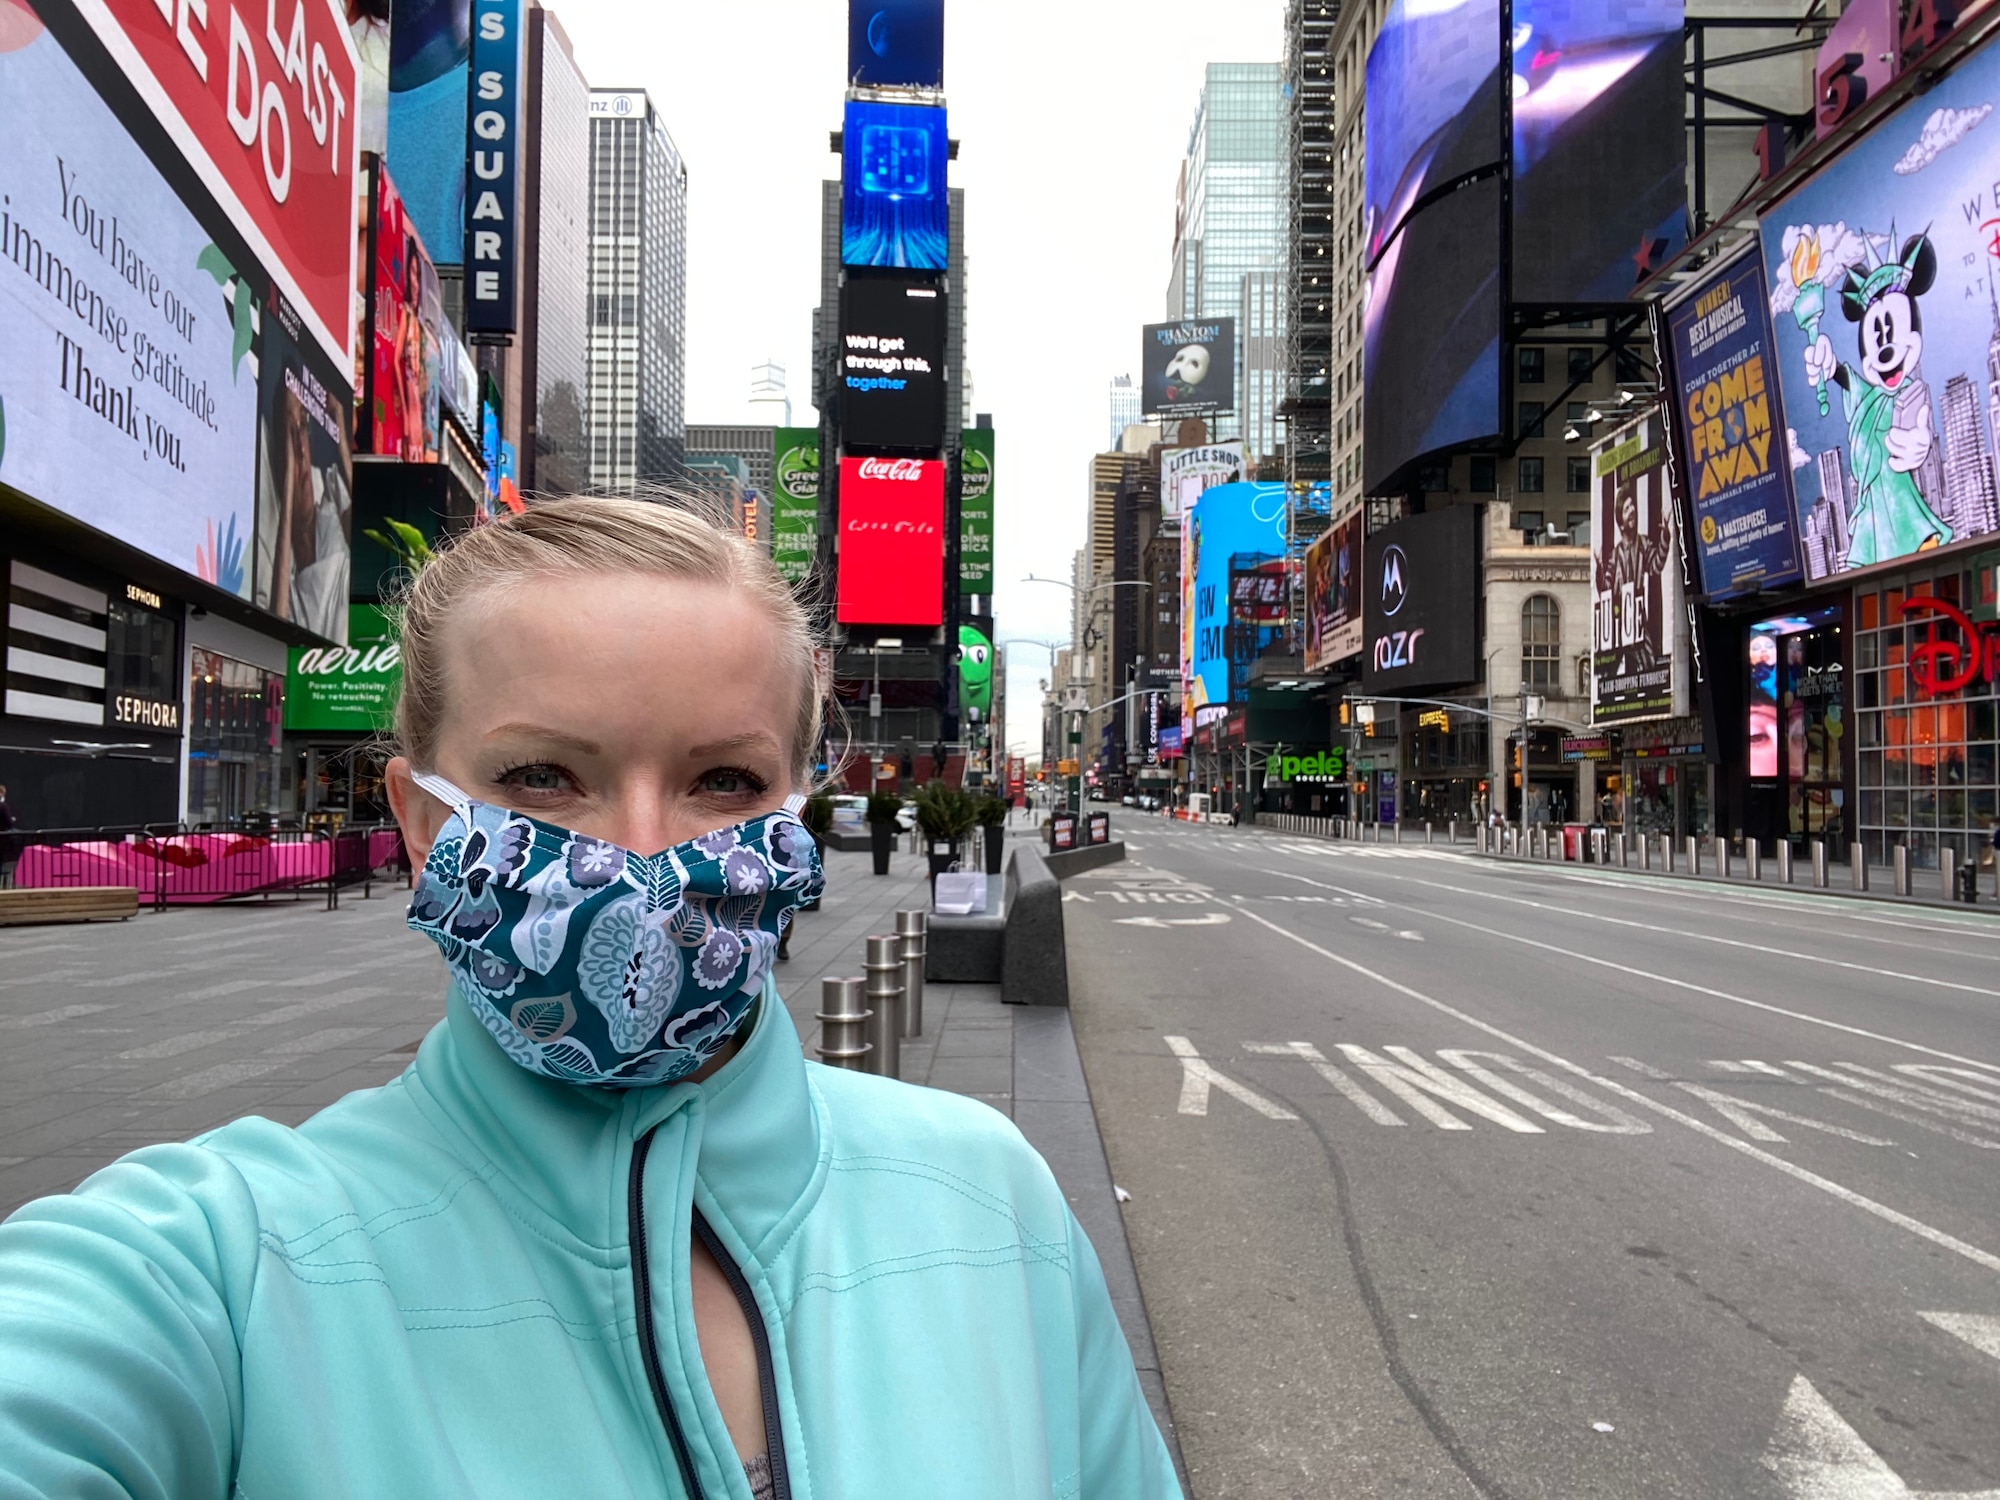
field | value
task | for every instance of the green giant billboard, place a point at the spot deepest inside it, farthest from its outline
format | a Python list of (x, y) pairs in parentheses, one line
[(975, 512), (795, 501)]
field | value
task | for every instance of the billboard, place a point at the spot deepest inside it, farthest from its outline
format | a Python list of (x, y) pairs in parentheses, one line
[(891, 553), (1233, 528), (1333, 593), (405, 372), (349, 688), (1431, 336), (1883, 291), (1635, 606), (267, 121), (1186, 472), (128, 395), (898, 43), (305, 506), (1188, 368), (430, 53), (1260, 593), (975, 511), (795, 501), (1734, 471), (892, 364), (894, 207), (1600, 152), (1420, 602), (975, 671), (494, 125), (1431, 109)]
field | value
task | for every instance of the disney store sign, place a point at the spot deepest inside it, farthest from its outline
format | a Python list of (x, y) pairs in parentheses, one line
[(1943, 665)]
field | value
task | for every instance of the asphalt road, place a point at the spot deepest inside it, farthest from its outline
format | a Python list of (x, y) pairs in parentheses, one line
[(1455, 1178)]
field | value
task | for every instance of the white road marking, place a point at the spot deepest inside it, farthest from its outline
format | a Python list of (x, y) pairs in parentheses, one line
[(1741, 1113), (1410, 1077), (1370, 923), (1353, 1092), (1747, 1065), (1713, 993), (1207, 919), (1817, 1456), (1826, 1185), (1197, 1078), (50, 1017), (1977, 1329), (1944, 1078), (1473, 1064)]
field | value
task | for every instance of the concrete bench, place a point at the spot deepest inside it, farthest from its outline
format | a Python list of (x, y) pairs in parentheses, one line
[(23, 906)]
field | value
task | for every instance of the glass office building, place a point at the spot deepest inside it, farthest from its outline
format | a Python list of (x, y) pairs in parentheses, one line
[(638, 294), (1230, 222)]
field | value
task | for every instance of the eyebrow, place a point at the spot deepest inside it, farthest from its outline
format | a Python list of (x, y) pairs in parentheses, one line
[(755, 740), (541, 732)]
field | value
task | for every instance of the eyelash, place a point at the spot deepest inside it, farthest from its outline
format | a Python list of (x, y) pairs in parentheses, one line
[(757, 784)]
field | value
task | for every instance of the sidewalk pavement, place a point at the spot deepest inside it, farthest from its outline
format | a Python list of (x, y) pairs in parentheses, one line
[(115, 1036)]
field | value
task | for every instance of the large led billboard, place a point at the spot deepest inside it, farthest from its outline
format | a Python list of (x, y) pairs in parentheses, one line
[(975, 510), (899, 43), (1232, 529), (265, 118), (1333, 593), (892, 392), (894, 207), (1189, 368), (891, 554), (128, 391), (1882, 274), (1420, 602), (1728, 430), (404, 378), (795, 501), (1430, 334), (1600, 152), (1636, 672), (430, 55), (1431, 108), (305, 505)]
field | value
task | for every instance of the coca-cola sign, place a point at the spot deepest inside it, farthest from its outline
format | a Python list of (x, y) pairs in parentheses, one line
[(891, 563), (1950, 662)]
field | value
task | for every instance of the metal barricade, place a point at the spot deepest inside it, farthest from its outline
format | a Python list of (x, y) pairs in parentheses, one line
[(843, 1024), (885, 1000), (911, 929)]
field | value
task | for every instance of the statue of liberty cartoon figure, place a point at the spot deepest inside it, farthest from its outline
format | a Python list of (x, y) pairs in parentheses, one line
[(1890, 430)]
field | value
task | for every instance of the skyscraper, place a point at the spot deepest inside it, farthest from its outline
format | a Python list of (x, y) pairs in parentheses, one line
[(1832, 464), (1970, 502), (1230, 217), (555, 364), (1125, 408), (638, 294)]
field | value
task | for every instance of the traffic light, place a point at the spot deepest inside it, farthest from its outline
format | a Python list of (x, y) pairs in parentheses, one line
[(1346, 713)]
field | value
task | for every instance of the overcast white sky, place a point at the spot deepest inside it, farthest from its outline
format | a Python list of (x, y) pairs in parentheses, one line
[(1072, 120)]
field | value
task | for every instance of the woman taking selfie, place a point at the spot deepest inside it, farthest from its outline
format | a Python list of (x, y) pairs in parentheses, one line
[(610, 1234)]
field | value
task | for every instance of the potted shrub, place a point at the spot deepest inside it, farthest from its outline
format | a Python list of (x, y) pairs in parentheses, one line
[(946, 815), (881, 815), (992, 825)]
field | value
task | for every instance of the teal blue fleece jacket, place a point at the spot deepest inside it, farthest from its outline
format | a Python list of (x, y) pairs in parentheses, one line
[(435, 1289)]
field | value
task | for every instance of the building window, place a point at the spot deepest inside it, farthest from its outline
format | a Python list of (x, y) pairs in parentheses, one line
[(1531, 523), (1628, 365), (1528, 475), (1533, 364), (1577, 523), (1541, 643), (1434, 477), (1485, 473), (1528, 419), (1579, 476), (1581, 358)]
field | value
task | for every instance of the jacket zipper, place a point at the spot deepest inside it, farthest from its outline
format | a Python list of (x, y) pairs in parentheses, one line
[(760, 1336), (649, 1349), (642, 1300)]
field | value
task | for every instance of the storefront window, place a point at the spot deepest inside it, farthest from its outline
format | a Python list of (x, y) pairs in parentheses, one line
[(236, 714)]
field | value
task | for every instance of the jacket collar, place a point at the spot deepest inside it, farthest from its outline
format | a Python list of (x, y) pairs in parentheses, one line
[(565, 1148)]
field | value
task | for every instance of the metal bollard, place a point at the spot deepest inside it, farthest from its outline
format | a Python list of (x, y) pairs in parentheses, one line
[(1753, 860), (1451, 831), (843, 1024), (1819, 870), (911, 927), (1899, 862), (1722, 857), (1430, 831), (1694, 854), (1398, 826), (1948, 871), (1645, 851), (885, 999), (1667, 852), (1857, 864), (1784, 847)]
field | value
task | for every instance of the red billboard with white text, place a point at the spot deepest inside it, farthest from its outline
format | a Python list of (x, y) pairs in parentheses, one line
[(259, 96), (891, 541)]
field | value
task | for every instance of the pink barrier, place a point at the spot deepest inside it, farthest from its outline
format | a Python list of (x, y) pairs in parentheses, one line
[(183, 869), (383, 847)]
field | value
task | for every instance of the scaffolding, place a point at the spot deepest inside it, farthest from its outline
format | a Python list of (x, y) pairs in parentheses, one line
[(1307, 407)]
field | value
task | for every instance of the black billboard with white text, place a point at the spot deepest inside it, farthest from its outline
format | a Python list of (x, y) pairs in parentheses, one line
[(1420, 602), (892, 395)]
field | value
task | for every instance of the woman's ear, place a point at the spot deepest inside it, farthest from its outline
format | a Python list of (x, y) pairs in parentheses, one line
[(418, 814)]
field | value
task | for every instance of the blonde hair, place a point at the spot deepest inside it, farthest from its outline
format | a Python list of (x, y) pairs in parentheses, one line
[(592, 537)]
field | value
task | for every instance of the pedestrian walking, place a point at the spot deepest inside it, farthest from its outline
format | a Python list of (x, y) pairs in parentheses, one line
[(609, 1234)]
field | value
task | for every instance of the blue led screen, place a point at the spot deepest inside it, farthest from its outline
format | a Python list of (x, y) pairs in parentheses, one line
[(896, 42), (895, 210), (430, 50)]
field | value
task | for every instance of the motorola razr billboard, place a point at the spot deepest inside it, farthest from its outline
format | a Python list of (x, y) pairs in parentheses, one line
[(1420, 602)]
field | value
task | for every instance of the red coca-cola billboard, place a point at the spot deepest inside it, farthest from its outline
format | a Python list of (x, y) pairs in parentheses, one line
[(891, 541), (259, 96)]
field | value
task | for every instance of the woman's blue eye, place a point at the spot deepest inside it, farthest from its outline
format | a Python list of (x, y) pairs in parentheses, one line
[(733, 783), (536, 778)]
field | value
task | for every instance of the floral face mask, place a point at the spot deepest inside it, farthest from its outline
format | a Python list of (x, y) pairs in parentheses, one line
[(592, 964)]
